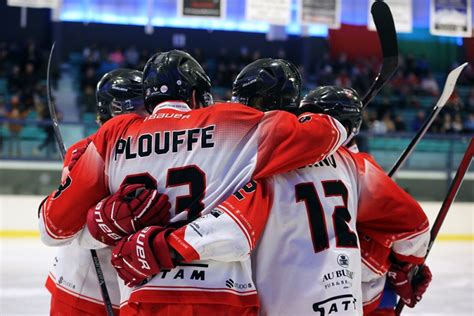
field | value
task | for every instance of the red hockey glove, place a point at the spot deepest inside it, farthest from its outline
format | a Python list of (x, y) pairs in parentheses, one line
[(409, 291), (130, 209), (77, 153), (142, 255)]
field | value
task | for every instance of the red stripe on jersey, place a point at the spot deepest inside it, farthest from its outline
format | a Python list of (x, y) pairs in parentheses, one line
[(177, 241), (410, 259), (76, 300), (194, 295)]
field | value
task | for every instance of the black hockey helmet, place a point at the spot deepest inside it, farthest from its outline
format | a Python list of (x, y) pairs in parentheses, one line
[(269, 84), (344, 104), (118, 91), (174, 75)]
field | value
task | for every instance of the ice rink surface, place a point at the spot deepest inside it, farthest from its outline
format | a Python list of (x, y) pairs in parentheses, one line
[(25, 263)]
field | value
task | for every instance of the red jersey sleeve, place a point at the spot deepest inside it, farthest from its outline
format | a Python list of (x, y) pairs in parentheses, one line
[(230, 231), (64, 211), (388, 217), (69, 154), (287, 142)]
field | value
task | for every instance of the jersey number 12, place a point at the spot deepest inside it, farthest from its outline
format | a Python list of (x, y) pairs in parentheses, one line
[(306, 192)]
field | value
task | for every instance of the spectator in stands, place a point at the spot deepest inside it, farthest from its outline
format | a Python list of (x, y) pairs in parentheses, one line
[(49, 142), (457, 126), (412, 83), (29, 85), (92, 54), (470, 101), (455, 102), (132, 57), (3, 59), (15, 79), (399, 124), (429, 85), (15, 113), (447, 123), (418, 121), (469, 123), (117, 57), (343, 79), (3, 115)]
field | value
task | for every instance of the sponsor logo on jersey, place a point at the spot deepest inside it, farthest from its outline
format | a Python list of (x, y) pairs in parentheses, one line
[(343, 260), (190, 271), (336, 304), (63, 282), (231, 284), (339, 278)]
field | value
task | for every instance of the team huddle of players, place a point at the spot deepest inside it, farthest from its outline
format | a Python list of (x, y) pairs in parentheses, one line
[(253, 206)]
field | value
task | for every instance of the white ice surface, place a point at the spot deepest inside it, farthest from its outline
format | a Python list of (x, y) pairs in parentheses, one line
[(25, 263)]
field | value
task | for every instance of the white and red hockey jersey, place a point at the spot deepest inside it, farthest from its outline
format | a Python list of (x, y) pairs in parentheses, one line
[(308, 259), (72, 278), (197, 157)]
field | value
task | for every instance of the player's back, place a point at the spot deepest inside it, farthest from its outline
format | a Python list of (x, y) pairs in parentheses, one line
[(308, 260), (199, 157), (196, 157)]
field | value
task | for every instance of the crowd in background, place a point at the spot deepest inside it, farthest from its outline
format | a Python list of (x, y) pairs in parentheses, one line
[(398, 108), (413, 80), (23, 92)]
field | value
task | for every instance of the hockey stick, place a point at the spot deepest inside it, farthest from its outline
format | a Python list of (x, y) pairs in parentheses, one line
[(62, 150), (447, 91), (385, 26), (452, 192), (52, 109)]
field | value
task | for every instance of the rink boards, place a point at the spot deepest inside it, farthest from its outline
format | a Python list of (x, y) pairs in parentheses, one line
[(19, 218)]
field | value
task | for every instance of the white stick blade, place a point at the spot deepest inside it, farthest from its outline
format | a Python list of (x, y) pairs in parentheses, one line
[(450, 84)]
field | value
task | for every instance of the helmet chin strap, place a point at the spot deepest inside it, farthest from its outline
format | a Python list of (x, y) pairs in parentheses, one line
[(349, 138), (194, 102)]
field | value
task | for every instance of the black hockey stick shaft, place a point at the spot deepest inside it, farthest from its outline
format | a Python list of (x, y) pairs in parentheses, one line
[(385, 26), (52, 108), (62, 149), (447, 91), (448, 201)]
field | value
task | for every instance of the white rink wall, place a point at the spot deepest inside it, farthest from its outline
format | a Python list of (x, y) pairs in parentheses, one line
[(19, 214)]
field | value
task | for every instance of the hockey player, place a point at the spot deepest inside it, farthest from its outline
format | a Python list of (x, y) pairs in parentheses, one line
[(197, 157), (308, 259), (72, 281)]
